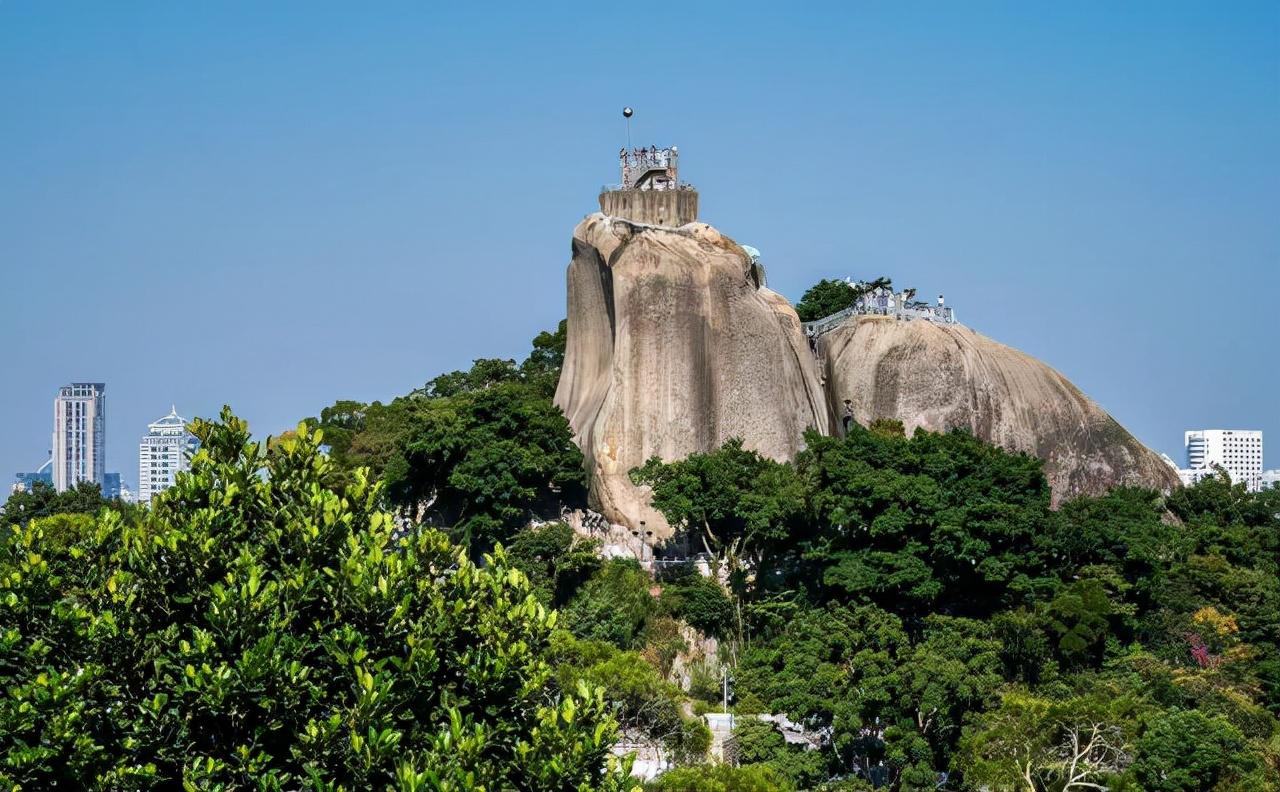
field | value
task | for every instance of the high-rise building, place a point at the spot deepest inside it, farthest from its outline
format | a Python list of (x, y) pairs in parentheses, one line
[(111, 486), (23, 482), (1237, 451), (165, 450), (79, 435)]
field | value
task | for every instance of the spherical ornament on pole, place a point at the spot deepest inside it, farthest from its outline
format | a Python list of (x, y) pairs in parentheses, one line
[(626, 112)]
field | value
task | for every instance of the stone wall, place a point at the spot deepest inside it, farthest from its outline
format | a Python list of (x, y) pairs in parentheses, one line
[(652, 207)]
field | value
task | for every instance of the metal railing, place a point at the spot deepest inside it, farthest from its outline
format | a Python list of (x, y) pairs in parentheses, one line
[(659, 187), (942, 314)]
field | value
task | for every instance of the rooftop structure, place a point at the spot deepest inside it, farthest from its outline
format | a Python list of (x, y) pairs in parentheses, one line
[(651, 191)]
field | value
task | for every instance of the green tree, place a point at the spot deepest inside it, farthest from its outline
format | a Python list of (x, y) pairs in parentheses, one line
[(480, 452), (1032, 743), (1187, 751), (740, 506), (42, 500), (1086, 612), (887, 702), (341, 422), (827, 297), (758, 742), (700, 601), (361, 435), (484, 373), (613, 604), (556, 560), (721, 778), (485, 462), (935, 522), (1024, 645), (542, 367), (1217, 500), (263, 626), (647, 706)]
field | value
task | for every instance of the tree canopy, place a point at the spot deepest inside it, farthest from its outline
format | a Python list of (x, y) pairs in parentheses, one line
[(42, 500), (917, 604), (367, 603), (478, 452), (266, 625), (827, 297)]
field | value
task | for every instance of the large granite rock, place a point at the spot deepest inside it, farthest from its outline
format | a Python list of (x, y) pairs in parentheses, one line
[(943, 377), (675, 346)]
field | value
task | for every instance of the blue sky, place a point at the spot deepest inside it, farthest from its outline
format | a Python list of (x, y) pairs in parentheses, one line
[(277, 205)]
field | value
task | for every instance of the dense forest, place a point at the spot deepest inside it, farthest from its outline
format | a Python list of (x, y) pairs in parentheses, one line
[(388, 598)]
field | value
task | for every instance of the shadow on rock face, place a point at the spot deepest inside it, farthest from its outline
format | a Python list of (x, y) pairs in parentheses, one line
[(674, 348)]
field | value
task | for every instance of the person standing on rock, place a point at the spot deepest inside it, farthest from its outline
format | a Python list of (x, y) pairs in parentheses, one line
[(848, 415)]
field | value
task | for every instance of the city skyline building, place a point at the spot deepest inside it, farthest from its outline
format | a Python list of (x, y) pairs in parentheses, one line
[(1237, 451), (163, 452), (23, 482), (112, 486), (79, 435)]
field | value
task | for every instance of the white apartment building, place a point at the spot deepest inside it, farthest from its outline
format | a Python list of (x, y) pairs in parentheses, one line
[(165, 450), (1237, 451), (79, 435)]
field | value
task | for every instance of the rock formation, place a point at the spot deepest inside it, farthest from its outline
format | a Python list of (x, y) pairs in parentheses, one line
[(946, 376), (675, 346)]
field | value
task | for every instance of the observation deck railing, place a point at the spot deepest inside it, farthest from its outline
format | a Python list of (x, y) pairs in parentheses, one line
[(942, 314), (660, 187)]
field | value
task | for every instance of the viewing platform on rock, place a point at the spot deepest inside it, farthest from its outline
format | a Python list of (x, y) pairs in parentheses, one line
[(651, 191), (884, 302)]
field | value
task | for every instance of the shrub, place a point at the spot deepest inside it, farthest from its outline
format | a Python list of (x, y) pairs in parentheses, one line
[(700, 602), (613, 605), (721, 778)]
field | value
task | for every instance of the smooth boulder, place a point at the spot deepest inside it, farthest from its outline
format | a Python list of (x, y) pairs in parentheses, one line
[(942, 377), (674, 347)]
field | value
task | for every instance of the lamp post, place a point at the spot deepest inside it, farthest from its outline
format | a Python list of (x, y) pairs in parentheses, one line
[(725, 672)]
